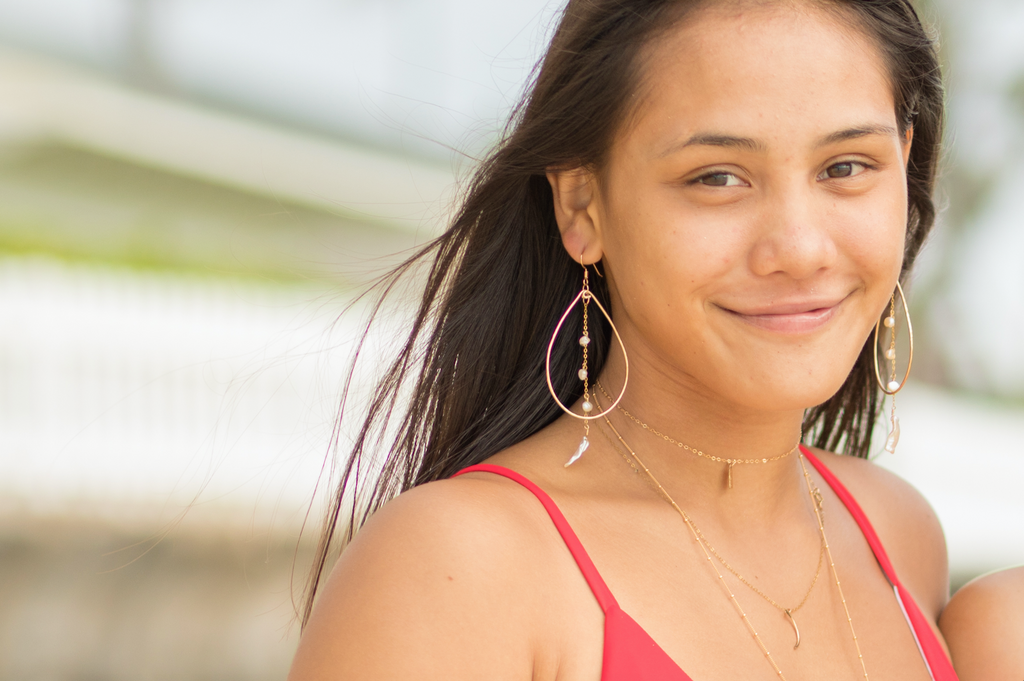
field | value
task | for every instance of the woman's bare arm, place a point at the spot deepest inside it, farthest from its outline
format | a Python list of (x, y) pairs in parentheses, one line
[(984, 627)]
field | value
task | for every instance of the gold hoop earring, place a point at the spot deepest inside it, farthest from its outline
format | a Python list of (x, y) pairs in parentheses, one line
[(893, 386), (586, 297)]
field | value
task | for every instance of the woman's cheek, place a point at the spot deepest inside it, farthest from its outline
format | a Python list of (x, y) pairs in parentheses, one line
[(871, 236)]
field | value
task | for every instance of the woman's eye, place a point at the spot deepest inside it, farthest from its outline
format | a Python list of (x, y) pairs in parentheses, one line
[(843, 169), (719, 180)]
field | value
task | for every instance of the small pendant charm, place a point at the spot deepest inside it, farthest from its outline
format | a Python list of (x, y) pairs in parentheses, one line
[(789, 615), (894, 436), (819, 501), (584, 444), (730, 474)]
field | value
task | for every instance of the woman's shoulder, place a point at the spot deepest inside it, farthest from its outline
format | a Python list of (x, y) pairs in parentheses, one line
[(423, 576), (905, 523), (883, 495), (470, 507), (984, 627), (458, 533)]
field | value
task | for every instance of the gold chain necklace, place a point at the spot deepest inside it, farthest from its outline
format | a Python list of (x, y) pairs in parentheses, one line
[(816, 499), (787, 612), (681, 445)]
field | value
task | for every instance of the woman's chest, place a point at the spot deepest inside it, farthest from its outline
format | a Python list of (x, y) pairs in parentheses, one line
[(717, 618)]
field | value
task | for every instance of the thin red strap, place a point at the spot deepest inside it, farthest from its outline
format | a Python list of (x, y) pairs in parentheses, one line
[(858, 514), (601, 592), (939, 665)]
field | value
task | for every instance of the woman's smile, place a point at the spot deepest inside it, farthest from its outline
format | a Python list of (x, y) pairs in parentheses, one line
[(789, 317)]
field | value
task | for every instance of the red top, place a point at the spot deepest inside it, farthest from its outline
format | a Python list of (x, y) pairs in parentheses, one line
[(630, 654)]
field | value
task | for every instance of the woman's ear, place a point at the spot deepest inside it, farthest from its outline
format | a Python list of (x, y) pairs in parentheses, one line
[(906, 143), (575, 198)]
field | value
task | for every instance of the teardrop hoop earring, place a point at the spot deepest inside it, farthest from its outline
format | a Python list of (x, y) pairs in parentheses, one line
[(586, 297), (893, 386)]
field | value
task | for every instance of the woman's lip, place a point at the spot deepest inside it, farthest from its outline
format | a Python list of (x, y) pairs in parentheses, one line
[(791, 318)]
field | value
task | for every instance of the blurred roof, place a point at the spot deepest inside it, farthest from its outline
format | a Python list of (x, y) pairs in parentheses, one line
[(413, 77), (43, 102)]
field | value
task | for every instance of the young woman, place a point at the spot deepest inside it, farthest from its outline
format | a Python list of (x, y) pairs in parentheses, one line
[(984, 624), (741, 185)]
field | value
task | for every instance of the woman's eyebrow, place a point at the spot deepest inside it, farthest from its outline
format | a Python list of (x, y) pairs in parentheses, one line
[(758, 146), (856, 132), (716, 140)]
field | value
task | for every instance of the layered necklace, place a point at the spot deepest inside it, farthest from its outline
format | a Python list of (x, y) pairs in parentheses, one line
[(711, 554)]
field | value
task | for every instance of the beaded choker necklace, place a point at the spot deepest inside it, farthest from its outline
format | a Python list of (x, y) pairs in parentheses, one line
[(728, 461)]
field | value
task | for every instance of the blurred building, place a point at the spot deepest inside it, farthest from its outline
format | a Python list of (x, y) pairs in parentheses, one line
[(191, 193)]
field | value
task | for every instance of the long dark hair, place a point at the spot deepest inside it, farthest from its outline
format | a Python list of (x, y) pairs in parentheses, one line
[(472, 369)]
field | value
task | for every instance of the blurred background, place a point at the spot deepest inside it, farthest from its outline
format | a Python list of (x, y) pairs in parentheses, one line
[(191, 194)]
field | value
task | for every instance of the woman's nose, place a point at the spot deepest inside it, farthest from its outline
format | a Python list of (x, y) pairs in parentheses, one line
[(793, 234)]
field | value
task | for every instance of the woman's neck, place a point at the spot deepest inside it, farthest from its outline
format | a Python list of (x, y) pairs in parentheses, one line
[(666, 420)]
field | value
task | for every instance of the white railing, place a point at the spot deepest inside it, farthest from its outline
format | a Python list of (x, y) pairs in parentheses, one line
[(147, 389)]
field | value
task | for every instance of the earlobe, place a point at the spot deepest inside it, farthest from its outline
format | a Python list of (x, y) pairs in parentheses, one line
[(575, 198)]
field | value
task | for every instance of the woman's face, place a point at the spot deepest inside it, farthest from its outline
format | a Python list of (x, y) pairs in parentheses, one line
[(752, 214)]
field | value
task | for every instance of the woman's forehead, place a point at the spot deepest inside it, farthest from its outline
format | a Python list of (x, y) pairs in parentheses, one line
[(760, 71)]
